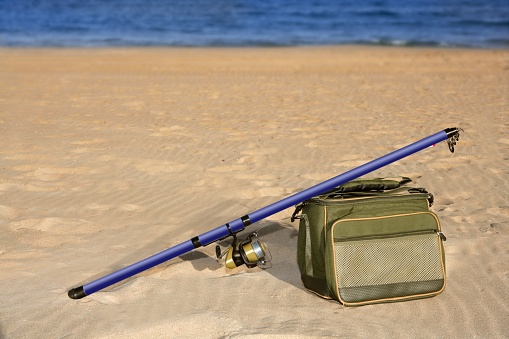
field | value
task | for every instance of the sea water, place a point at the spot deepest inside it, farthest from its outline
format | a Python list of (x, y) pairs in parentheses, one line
[(455, 23)]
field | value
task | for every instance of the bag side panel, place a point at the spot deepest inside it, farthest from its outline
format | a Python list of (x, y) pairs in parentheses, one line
[(310, 249)]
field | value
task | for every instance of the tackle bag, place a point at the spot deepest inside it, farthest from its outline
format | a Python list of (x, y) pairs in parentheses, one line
[(371, 241)]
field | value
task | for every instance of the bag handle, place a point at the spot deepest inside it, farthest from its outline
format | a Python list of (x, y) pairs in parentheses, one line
[(370, 186), (377, 184)]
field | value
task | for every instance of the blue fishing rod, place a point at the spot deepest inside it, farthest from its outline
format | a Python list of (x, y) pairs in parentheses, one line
[(251, 251)]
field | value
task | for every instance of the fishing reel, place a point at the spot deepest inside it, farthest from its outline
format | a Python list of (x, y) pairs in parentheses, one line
[(250, 252)]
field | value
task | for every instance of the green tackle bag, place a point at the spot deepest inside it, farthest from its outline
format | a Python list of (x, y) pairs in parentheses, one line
[(371, 241)]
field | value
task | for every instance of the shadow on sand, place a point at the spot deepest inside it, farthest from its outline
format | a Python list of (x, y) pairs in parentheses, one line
[(280, 237), (281, 240)]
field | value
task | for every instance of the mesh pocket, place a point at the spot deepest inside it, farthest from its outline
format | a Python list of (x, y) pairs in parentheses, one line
[(388, 268)]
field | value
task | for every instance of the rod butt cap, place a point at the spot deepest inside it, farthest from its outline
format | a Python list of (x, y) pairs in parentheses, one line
[(77, 293)]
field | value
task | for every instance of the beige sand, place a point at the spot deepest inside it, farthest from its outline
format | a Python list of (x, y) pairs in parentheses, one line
[(108, 156)]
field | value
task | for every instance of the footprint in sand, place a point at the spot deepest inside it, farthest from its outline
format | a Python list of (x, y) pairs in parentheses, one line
[(502, 211), (494, 228)]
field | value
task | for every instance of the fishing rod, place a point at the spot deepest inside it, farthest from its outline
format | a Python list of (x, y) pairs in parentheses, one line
[(251, 251)]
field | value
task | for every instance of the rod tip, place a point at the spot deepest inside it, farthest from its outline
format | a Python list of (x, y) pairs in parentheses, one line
[(452, 131), (77, 293)]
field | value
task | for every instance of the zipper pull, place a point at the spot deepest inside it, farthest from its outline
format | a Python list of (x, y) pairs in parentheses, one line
[(442, 236)]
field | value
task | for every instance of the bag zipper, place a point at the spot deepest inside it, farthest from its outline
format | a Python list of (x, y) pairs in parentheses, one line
[(390, 235), (366, 199)]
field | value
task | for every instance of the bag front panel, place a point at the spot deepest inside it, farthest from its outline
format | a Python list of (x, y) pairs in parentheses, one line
[(381, 263)]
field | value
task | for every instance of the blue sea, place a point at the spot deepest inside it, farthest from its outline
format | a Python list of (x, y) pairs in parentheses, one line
[(96, 23)]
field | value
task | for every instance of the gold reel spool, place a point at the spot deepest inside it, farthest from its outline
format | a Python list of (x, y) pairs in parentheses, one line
[(251, 252)]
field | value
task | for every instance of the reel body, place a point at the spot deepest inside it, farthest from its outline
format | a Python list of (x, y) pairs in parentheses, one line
[(250, 252)]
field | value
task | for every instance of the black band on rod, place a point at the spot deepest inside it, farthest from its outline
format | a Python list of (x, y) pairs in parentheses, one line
[(196, 242), (229, 229), (245, 220)]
